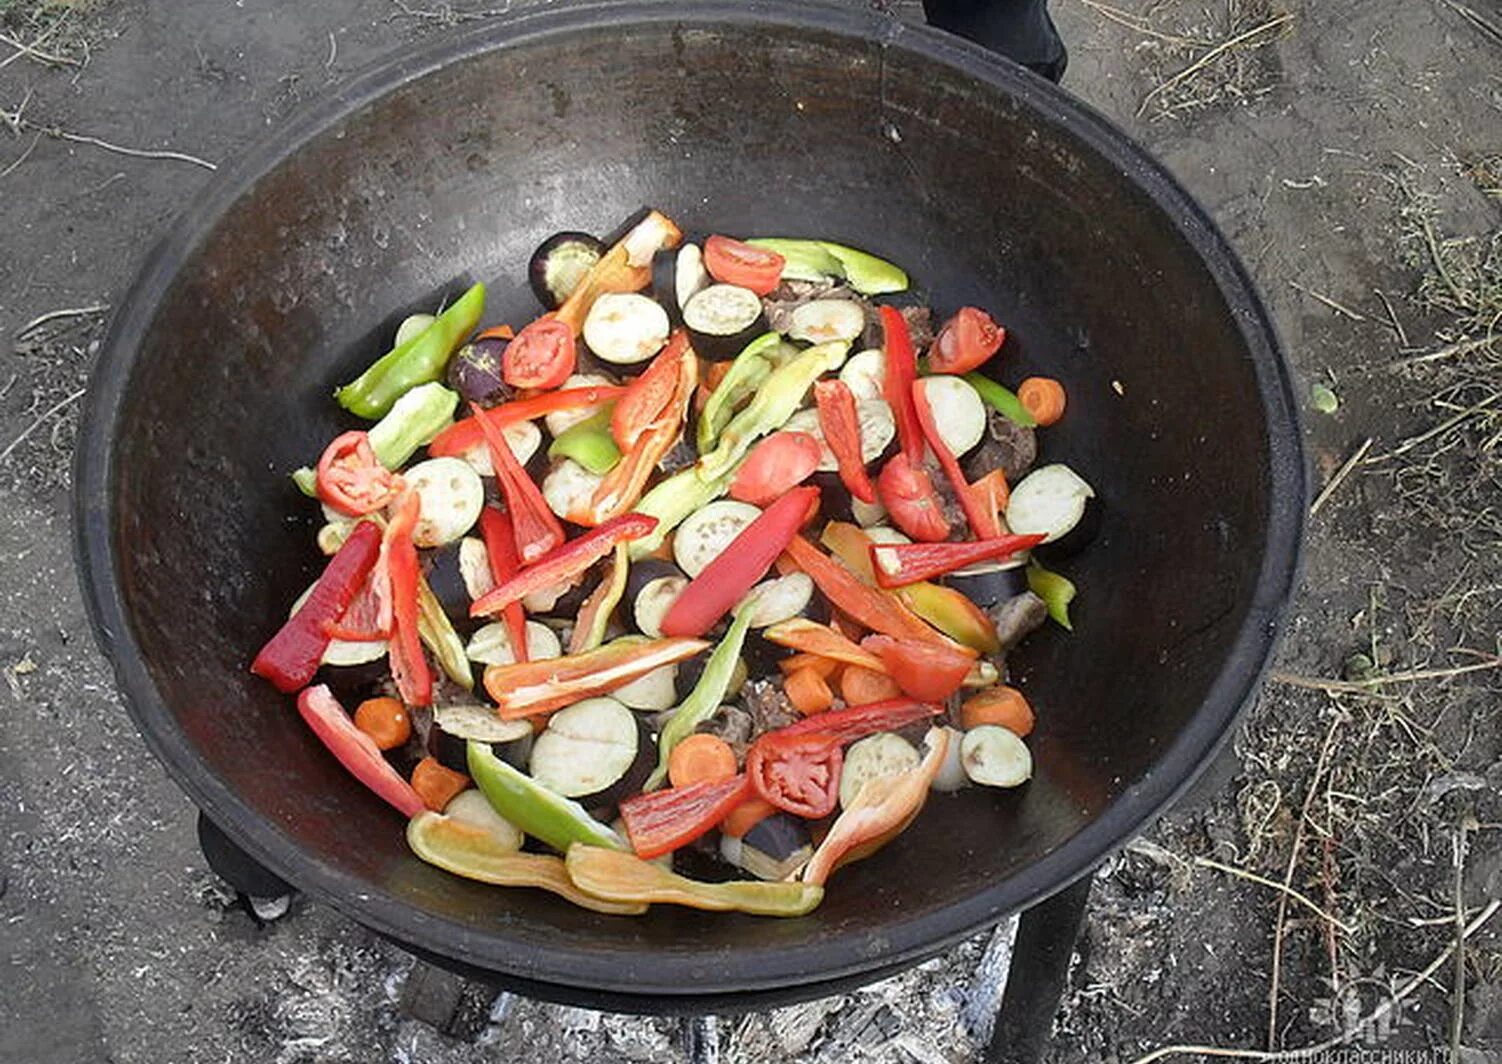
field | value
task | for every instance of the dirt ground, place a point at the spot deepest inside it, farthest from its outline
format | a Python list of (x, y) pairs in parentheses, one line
[(1316, 883)]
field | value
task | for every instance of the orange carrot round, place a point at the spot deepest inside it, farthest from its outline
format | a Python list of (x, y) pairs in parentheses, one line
[(1000, 705), (701, 758), (1043, 398), (385, 720), (436, 784), (859, 686), (808, 692), (496, 332), (746, 816)]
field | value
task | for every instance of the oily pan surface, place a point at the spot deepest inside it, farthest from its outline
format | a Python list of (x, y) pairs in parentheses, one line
[(456, 177)]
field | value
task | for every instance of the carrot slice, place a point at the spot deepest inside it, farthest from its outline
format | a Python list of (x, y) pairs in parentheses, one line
[(1000, 705), (436, 784), (1043, 398), (813, 638), (825, 667), (746, 816), (701, 758), (859, 686), (385, 720), (808, 692)]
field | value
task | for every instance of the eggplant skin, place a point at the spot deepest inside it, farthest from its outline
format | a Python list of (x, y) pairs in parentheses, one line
[(556, 265)]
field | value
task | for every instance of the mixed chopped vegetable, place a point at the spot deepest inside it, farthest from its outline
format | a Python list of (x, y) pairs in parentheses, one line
[(733, 624)]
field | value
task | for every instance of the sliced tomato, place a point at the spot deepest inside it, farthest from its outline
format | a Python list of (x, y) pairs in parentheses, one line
[(649, 398), (797, 773), (351, 480), (775, 466), (733, 262), (907, 491), (928, 671), (965, 341), (542, 355)]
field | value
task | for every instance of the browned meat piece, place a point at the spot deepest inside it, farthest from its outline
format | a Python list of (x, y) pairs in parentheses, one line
[(1017, 618), (1008, 446), (919, 326), (768, 706), (949, 502), (790, 295), (732, 724)]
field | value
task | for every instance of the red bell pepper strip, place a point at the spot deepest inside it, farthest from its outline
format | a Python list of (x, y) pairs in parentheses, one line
[(523, 690), (626, 267), (842, 431), (732, 573), (649, 398), (981, 518), (993, 493), (414, 680), (355, 750), (535, 528), (290, 658), (897, 564), (909, 496), (368, 617), (797, 772), (659, 822), (623, 485), (467, 434), (863, 604), (897, 382), (846, 725), (882, 808), (564, 563), (500, 548), (922, 670)]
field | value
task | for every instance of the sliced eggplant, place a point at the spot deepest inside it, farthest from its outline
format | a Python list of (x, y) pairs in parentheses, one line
[(652, 587), (867, 514), (882, 754), (762, 655), (822, 320), (569, 487), (689, 275), (988, 584), (994, 757), (474, 567), (959, 413), (474, 372), (524, 439), (951, 775), (1053, 500), (780, 599), (624, 328), (656, 691), (446, 577), (865, 374), (451, 496), (453, 727), (588, 752), (877, 427), (560, 263), (707, 532), (834, 498), (885, 534), (560, 421), (722, 319), (774, 848), (491, 645)]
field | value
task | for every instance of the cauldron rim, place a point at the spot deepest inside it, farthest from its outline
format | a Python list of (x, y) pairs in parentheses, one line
[(767, 970)]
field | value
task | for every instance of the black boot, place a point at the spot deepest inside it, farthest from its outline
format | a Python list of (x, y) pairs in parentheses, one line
[(1021, 30)]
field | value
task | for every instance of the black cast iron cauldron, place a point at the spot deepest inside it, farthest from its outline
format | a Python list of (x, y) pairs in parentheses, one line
[(448, 164)]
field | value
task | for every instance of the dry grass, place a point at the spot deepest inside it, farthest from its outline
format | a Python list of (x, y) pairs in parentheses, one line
[(50, 33)]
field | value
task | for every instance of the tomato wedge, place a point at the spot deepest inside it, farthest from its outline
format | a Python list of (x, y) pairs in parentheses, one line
[(775, 466), (797, 773), (926, 671), (351, 480), (542, 355), (909, 496), (965, 342), (733, 262)]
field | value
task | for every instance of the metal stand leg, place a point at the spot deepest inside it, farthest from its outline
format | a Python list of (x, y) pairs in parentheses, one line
[(1046, 936), (265, 894), (449, 1003)]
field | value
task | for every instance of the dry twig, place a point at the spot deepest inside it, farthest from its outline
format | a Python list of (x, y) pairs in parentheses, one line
[(1339, 308), (1340, 476), (57, 315), (40, 421), (1315, 683), (1285, 889), (1276, 22)]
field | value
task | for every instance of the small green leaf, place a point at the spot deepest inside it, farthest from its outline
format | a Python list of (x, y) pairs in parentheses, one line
[(1324, 400)]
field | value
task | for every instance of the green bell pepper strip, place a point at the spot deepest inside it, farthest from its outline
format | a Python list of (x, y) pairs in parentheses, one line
[(594, 615), (707, 694), (1056, 591), (815, 260), (471, 852), (777, 400), (1000, 399), (548, 817), (747, 373), (589, 443), (437, 632), (418, 361), (412, 421), (624, 878), (672, 500)]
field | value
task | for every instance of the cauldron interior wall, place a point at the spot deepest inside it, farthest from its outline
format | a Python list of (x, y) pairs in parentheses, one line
[(455, 176)]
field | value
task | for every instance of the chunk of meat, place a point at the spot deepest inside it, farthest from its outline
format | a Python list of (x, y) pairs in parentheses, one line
[(734, 725), (1017, 618), (768, 706), (1007, 446)]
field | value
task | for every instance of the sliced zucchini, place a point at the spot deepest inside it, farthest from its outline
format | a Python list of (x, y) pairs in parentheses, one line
[(522, 437), (491, 645), (821, 320), (689, 275), (951, 775), (780, 599), (958, 411), (569, 487), (472, 808), (451, 495), (705, 533), (877, 427), (657, 690), (474, 568), (865, 374), (344, 652)]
